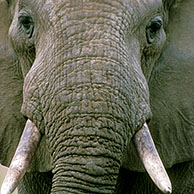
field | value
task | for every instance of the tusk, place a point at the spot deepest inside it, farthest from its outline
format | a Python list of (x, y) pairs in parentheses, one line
[(22, 158), (151, 160)]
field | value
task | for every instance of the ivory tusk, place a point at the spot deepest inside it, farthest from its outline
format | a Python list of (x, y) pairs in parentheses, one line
[(151, 160), (22, 158)]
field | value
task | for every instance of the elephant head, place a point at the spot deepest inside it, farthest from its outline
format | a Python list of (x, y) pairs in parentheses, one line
[(83, 67)]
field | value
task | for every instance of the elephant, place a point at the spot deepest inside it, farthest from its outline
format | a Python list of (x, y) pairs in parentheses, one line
[(81, 79)]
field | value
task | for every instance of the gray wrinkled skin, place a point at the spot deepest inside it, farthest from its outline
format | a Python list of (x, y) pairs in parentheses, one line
[(84, 69)]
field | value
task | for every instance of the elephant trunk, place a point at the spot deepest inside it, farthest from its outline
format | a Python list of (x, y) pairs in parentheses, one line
[(86, 156), (85, 174)]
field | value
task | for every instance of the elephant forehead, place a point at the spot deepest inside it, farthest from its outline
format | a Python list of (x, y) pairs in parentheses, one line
[(125, 12)]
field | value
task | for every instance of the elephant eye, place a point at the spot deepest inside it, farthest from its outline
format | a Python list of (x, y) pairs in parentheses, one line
[(27, 24), (153, 29)]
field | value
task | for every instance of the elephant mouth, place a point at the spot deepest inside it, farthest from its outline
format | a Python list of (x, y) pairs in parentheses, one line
[(31, 137)]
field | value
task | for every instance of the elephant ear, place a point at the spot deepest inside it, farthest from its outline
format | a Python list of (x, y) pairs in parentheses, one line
[(11, 83), (172, 89)]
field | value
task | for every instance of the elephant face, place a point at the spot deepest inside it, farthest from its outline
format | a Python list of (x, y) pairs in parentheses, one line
[(172, 89), (85, 67)]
